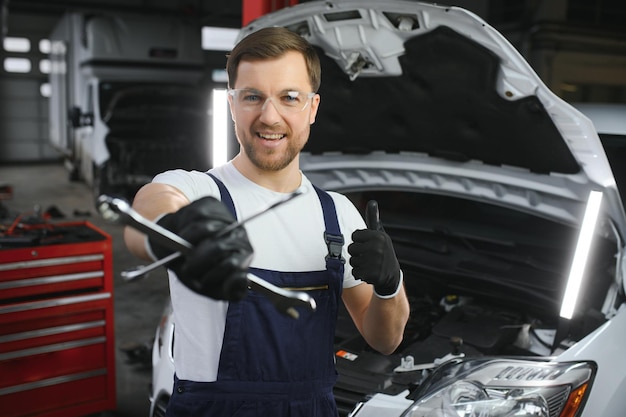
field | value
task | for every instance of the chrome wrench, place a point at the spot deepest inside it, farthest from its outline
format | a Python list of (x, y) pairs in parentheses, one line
[(116, 209)]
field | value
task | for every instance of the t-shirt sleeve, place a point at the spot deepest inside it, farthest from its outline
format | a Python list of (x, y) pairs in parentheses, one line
[(193, 184)]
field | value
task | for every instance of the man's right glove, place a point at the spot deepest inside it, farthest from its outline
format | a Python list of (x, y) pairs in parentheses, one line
[(215, 267)]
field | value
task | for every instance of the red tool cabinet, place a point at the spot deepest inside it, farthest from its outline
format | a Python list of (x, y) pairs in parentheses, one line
[(57, 354)]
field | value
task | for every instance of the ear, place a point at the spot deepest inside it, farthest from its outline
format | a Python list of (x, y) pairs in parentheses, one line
[(315, 103)]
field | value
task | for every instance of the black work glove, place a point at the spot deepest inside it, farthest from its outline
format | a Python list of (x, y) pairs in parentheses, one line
[(372, 256), (215, 267)]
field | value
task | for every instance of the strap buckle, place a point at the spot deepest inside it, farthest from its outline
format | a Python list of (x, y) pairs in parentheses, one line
[(334, 244)]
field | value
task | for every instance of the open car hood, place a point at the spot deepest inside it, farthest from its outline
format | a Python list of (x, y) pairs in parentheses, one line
[(417, 96), (482, 175)]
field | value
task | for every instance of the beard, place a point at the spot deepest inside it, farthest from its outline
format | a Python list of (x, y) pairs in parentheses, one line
[(272, 159)]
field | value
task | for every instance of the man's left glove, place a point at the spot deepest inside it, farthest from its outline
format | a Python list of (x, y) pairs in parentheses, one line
[(215, 267), (372, 256)]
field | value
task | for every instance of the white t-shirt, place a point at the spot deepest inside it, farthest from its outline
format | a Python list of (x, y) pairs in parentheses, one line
[(288, 238)]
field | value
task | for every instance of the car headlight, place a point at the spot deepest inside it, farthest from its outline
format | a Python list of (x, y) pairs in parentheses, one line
[(504, 388)]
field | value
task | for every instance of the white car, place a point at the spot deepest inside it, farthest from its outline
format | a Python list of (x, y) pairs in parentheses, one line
[(502, 206)]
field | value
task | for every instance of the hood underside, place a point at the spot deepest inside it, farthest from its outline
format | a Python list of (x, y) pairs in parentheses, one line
[(445, 104), (424, 97)]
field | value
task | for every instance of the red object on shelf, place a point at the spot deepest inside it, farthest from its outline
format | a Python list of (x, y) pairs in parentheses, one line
[(57, 356), (252, 9)]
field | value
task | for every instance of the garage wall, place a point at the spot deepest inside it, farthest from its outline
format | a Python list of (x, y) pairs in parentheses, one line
[(23, 121), (24, 109)]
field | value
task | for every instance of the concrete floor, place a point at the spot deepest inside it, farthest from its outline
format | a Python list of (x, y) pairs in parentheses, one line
[(137, 305)]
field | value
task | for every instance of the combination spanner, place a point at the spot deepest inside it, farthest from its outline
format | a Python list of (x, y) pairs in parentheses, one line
[(118, 210)]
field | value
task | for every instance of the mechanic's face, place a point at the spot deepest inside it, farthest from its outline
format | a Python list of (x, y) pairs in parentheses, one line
[(271, 134)]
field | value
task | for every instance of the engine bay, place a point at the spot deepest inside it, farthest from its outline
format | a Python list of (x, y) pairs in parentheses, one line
[(484, 282)]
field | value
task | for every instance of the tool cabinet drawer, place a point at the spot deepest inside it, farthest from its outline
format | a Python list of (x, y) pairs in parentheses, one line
[(55, 269), (57, 352)]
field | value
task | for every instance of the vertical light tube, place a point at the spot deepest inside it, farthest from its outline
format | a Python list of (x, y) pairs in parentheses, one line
[(582, 253), (219, 131)]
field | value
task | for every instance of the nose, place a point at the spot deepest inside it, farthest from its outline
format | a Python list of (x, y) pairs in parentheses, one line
[(269, 113)]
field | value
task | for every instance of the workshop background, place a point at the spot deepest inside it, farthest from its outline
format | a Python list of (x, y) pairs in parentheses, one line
[(577, 47)]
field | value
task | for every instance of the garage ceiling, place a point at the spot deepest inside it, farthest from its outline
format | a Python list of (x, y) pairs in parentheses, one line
[(211, 12)]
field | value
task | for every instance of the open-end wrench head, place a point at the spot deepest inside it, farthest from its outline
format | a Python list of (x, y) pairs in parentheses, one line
[(285, 301), (110, 208)]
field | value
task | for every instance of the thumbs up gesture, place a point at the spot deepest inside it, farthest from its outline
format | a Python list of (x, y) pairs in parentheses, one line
[(372, 256)]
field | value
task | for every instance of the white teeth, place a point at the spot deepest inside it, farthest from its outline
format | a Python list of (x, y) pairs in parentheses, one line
[(273, 136)]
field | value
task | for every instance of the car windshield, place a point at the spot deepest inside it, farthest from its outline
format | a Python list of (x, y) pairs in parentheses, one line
[(123, 101)]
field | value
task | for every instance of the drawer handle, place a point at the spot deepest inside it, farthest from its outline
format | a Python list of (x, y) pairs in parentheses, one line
[(50, 262), (34, 305), (52, 381), (51, 348), (31, 282), (51, 330)]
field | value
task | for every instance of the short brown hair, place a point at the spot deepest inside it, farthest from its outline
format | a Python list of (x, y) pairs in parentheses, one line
[(273, 42)]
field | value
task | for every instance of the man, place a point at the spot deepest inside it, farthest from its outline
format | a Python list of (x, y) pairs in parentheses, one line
[(234, 353)]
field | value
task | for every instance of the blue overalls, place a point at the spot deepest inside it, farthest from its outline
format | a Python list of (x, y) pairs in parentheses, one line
[(272, 365)]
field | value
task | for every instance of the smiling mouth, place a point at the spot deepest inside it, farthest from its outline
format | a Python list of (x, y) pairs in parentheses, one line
[(271, 136)]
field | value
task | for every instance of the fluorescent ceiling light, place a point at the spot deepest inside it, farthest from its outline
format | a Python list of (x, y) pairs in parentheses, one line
[(218, 39), (45, 46), (21, 65), (219, 76), (45, 90), (580, 256), (45, 66), (15, 44)]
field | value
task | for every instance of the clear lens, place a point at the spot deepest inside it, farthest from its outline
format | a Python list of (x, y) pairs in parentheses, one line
[(468, 399), (285, 102), (504, 389)]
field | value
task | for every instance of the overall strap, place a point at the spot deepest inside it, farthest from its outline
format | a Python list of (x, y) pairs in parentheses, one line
[(332, 234), (225, 195)]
